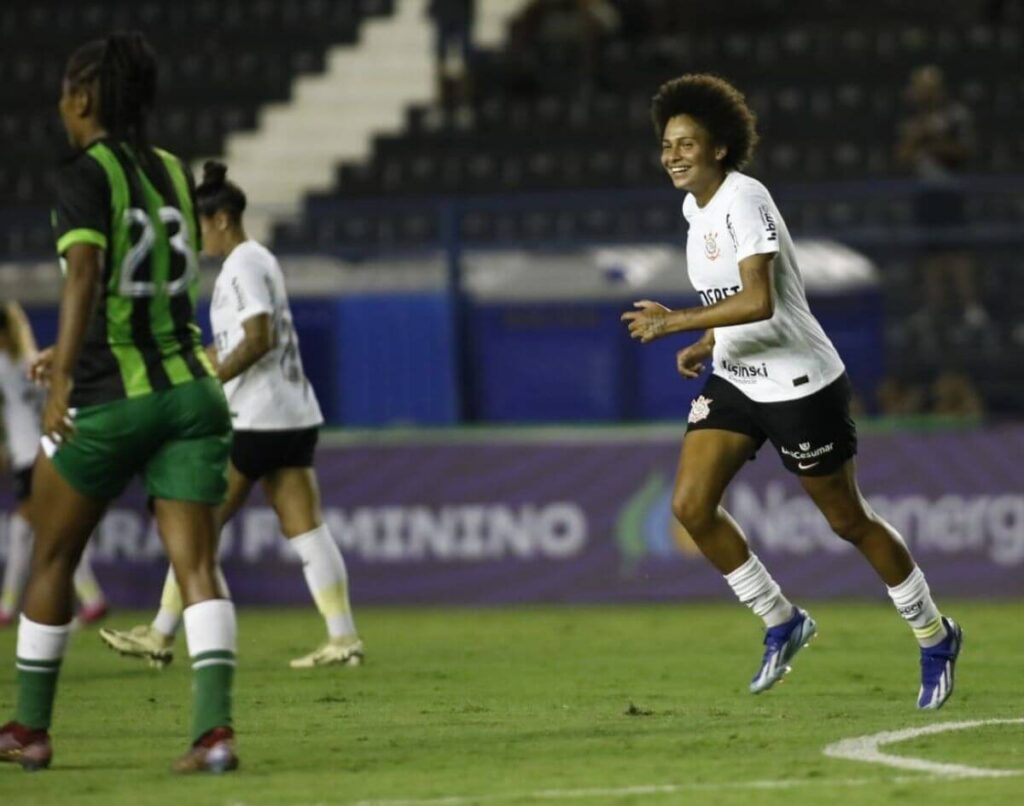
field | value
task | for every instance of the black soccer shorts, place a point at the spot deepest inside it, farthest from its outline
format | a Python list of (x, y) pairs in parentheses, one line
[(813, 435), (257, 453)]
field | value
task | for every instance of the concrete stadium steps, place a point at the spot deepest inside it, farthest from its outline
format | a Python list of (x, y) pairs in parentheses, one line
[(333, 116)]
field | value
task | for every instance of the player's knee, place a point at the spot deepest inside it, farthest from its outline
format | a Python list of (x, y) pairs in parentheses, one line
[(694, 513), (198, 581), (53, 555), (199, 588), (852, 525)]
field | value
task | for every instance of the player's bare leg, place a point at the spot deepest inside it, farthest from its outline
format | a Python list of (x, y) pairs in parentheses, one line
[(840, 501), (851, 517), (16, 568), (189, 533), (295, 496), (63, 520), (93, 604), (710, 459), (154, 642), (707, 463)]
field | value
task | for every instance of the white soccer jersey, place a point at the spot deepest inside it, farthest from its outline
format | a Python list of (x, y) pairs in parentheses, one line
[(274, 393), (783, 358), (22, 403)]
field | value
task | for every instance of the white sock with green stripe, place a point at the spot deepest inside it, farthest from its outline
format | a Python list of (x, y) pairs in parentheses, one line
[(913, 601), (16, 566), (327, 578), (38, 658), (212, 635)]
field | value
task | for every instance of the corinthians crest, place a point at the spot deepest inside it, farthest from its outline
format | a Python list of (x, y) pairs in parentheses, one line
[(711, 250), (699, 409)]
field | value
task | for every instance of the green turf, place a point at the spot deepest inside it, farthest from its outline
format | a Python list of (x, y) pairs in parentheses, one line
[(509, 702)]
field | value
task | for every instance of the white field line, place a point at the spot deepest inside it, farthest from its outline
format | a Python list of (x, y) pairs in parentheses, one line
[(867, 748), (654, 789), (861, 748)]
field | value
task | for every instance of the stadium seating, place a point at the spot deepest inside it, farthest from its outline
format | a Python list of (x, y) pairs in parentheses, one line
[(828, 97), (220, 61), (538, 154)]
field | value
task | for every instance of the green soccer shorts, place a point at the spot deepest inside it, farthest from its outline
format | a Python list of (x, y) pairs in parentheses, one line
[(178, 439)]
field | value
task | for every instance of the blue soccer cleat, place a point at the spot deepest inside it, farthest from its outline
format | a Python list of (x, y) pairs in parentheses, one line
[(780, 647), (937, 664)]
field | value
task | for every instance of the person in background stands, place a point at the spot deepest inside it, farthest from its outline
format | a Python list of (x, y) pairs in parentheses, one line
[(936, 140)]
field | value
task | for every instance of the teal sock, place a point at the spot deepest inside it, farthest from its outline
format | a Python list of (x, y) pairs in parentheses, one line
[(212, 677), (211, 632), (38, 657), (37, 689)]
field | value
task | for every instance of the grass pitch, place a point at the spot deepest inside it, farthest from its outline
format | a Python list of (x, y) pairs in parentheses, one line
[(500, 705)]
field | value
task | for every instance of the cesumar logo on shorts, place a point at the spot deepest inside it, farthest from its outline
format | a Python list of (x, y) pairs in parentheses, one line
[(699, 409), (711, 250), (807, 452), (745, 373)]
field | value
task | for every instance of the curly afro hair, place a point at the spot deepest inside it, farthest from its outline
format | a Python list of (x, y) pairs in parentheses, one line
[(718, 105)]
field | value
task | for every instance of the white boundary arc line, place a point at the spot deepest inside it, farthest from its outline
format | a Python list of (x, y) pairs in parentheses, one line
[(860, 748), (867, 749)]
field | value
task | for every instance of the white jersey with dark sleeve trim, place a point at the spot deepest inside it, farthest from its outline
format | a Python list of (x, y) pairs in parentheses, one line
[(274, 393), (787, 356), (22, 403)]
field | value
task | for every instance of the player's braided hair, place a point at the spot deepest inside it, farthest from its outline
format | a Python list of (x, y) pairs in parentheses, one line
[(717, 105), (124, 69), (217, 193)]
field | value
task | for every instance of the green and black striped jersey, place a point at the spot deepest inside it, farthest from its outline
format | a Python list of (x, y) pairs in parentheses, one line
[(139, 208)]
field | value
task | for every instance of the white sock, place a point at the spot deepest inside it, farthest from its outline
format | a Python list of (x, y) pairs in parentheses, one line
[(913, 601), (324, 569), (16, 569), (754, 586), (87, 587), (210, 626), (44, 643), (168, 617)]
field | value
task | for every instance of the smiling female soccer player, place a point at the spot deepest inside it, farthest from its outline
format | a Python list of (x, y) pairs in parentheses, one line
[(776, 377)]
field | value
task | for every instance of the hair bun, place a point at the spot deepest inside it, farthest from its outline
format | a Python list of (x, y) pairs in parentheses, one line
[(214, 173)]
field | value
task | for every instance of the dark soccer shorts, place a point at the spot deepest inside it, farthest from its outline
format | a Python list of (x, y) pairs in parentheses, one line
[(813, 435), (257, 453), (177, 439)]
